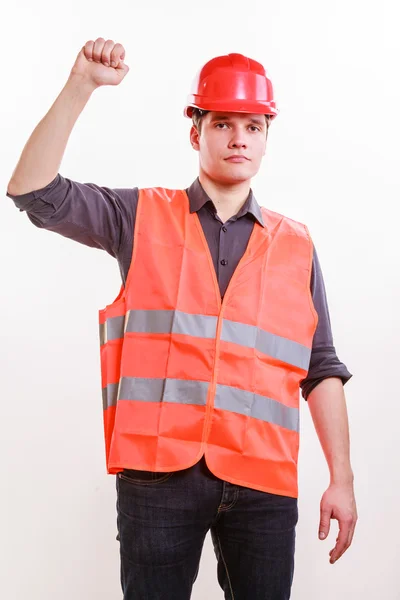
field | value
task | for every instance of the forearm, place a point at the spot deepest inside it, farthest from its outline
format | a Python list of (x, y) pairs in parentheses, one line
[(328, 410), (42, 155)]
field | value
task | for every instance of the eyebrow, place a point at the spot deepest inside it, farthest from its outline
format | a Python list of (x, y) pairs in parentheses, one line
[(258, 121), (228, 118)]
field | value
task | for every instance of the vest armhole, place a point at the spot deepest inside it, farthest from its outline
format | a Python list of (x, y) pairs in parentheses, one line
[(309, 295)]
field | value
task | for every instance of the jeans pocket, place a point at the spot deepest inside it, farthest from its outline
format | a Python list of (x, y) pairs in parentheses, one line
[(137, 477)]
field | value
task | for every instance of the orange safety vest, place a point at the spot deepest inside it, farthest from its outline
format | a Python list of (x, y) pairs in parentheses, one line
[(186, 374)]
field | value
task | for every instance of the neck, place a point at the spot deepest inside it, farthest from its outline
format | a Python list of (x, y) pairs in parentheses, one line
[(228, 198)]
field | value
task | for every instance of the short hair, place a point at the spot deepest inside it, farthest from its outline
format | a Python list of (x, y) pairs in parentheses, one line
[(197, 117)]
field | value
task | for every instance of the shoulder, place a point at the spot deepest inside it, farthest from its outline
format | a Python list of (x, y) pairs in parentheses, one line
[(161, 193), (274, 219)]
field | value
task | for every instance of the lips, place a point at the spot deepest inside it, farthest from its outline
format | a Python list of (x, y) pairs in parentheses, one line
[(237, 158)]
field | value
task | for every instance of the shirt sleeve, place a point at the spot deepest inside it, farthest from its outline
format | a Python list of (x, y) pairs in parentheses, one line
[(99, 217), (324, 361)]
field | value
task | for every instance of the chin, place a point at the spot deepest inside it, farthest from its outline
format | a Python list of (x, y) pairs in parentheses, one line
[(229, 174), (236, 175)]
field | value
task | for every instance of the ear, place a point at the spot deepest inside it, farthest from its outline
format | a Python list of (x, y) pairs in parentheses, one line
[(194, 138)]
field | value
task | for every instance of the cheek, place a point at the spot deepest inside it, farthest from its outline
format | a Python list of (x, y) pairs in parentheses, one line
[(205, 154), (259, 150), (211, 151)]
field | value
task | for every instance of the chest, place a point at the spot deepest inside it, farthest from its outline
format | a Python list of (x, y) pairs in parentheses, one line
[(227, 243)]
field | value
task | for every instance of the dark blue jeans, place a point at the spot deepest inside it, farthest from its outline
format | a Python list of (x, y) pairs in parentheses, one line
[(163, 519)]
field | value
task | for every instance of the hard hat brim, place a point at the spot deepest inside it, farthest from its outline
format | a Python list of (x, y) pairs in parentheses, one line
[(240, 106)]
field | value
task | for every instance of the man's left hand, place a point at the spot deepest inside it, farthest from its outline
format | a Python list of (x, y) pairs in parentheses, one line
[(338, 503)]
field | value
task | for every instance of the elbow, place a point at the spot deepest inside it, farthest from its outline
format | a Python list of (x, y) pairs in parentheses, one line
[(16, 189), (12, 188)]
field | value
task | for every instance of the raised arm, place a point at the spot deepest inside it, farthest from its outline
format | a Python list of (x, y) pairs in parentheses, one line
[(42, 155)]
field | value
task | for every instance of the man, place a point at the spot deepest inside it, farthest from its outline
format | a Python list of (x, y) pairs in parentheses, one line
[(222, 315)]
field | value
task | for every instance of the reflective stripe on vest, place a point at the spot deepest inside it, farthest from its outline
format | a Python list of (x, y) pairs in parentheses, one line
[(195, 392), (203, 326)]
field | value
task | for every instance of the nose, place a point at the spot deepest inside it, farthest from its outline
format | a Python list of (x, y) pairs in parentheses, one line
[(238, 139)]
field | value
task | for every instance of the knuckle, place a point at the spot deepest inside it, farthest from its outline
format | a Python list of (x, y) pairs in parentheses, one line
[(100, 39), (348, 520)]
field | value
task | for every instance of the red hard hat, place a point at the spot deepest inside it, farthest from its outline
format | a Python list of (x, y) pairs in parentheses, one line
[(232, 83)]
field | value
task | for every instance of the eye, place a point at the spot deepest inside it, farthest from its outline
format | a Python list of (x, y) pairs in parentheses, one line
[(255, 128), (221, 125)]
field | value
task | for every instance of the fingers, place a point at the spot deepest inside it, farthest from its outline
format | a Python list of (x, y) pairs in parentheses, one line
[(343, 541), (105, 52), (88, 50), (352, 532), (117, 55), (98, 49), (325, 523), (122, 68)]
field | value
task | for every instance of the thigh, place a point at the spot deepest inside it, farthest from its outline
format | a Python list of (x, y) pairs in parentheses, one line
[(254, 541), (161, 535)]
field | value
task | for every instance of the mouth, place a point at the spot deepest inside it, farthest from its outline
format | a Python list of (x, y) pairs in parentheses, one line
[(237, 158)]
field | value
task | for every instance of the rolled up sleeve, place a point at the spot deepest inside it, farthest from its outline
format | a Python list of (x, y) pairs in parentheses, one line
[(324, 361), (99, 217)]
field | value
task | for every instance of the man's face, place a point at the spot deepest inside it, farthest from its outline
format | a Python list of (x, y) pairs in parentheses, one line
[(231, 145)]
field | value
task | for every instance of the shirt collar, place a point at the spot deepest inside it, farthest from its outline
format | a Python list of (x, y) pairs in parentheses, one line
[(198, 198)]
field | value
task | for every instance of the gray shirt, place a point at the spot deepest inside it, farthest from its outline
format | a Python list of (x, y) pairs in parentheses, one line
[(104, 218)]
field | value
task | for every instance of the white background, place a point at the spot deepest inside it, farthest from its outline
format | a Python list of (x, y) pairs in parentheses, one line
[(332, 162)]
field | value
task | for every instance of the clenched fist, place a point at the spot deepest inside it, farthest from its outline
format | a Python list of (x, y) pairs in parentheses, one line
[(101, 63)]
